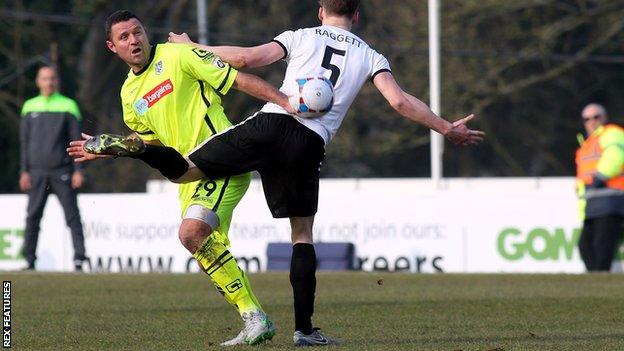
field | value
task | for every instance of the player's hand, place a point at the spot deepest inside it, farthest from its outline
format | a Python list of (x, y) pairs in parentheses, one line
[(461, 135), (24, 181), (77, 180), (77, 151), (285, 104), (179, 38), (290, 109)]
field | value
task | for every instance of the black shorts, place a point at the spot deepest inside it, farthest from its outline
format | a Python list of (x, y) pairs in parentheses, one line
[(287, 154)]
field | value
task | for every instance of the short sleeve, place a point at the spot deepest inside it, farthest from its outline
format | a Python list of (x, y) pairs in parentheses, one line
[(287, 41), (380, 64), (205, 66), (135, 124)]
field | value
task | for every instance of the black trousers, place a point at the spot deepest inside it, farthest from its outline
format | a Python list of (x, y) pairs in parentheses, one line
[(599, 241), (43, 183)]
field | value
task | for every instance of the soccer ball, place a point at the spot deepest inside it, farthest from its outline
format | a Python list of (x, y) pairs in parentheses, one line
[(312, 97)]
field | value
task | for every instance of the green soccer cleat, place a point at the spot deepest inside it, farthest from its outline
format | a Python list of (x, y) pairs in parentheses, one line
[(114, 145)]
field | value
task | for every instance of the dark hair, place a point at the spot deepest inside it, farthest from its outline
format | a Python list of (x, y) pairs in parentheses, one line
[(340, 7), (46, 66), (116, 17)]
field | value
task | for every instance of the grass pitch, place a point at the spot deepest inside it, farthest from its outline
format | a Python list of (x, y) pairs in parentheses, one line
[(367, 311)]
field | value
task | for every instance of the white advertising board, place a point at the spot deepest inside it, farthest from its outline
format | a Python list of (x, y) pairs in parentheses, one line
[(468, 225)]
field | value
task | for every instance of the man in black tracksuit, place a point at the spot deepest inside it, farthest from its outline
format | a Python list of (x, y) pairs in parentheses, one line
[(49, 122)]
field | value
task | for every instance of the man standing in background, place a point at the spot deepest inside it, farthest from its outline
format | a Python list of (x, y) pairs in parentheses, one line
[(600, 182), (49, 122)]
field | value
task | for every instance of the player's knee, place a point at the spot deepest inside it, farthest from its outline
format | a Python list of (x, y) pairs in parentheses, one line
[(188, 240), (192, 233)]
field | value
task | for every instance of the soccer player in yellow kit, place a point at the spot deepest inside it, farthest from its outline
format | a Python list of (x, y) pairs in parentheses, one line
[(171, 98)]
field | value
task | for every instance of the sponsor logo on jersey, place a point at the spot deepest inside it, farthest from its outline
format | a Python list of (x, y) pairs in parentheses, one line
[(203, 54), (218, 63), (140, 107), (158, 68), (153, 96)]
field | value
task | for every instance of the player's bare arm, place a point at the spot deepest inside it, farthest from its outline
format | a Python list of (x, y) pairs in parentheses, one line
[(258, 88), (417, 111), (238, 57)]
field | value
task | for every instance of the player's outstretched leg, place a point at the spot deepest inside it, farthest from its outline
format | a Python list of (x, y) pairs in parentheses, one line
[(115, 145), (165, 159)]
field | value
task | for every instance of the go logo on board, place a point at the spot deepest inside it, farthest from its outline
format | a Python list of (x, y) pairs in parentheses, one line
[(11, 241), (539, 244)]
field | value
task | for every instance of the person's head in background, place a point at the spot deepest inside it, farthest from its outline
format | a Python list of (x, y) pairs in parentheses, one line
[(46, 80), (594, 115)]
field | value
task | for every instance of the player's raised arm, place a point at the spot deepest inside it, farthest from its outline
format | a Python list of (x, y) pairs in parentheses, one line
[(237, 56), (221, 76), (417, 111), (261, 89)]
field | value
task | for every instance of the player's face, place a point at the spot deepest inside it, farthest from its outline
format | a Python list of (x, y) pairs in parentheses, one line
[(46, 81), (129, 41)]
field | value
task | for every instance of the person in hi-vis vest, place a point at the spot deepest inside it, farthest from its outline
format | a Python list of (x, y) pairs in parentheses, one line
[(600, 186)]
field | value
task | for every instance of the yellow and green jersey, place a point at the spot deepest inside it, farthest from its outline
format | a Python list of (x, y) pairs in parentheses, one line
[(175, 98)]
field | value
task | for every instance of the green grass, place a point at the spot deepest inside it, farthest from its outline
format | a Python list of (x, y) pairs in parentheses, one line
[(406, 312)]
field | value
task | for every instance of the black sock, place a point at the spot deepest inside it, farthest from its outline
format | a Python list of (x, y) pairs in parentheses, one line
[(303, 281), (165, 159)]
